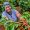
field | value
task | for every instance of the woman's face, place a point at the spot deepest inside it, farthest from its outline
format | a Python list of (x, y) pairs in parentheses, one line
[(7, 8)]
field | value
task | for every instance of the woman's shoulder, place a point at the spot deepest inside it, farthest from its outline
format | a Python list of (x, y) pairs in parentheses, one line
[(3, 12)]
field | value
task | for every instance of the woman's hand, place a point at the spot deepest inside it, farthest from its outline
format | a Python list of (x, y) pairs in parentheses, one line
[(6, 18)]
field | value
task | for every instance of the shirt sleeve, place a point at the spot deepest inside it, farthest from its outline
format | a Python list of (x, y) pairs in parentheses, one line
[(3, 14)]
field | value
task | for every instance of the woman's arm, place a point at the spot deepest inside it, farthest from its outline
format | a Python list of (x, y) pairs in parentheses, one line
[(19, 16)]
